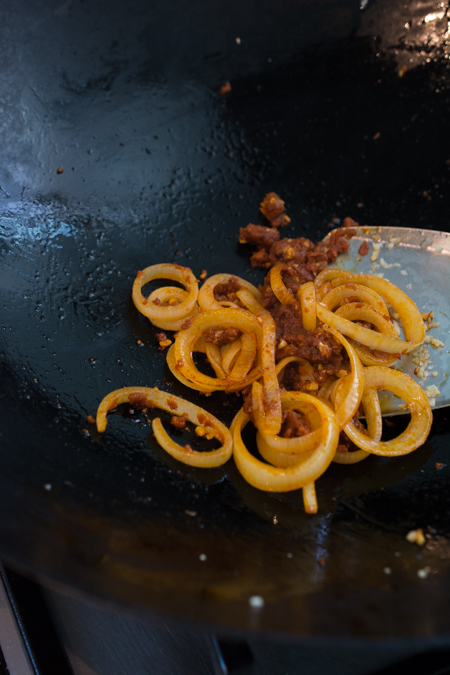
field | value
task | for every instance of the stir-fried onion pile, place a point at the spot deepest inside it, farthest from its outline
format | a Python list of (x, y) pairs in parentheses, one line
[(238, 338)]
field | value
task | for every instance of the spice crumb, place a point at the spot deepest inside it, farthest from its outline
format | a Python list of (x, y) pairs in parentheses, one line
[(225, 89), (416, 537), (163, 341)]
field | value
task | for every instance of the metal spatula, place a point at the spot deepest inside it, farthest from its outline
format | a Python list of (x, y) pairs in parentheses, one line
[(418, 261)]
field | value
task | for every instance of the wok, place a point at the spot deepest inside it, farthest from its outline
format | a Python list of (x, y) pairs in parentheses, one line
[(339, 106)]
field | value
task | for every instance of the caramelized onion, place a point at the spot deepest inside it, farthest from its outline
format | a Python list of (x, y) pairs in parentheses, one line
[(403, 386), (307, 297), (372, 412), (272, 412), (407, 310), (166, 313), (273, 479), (230, 353), (334, 296), (206, 298), (278, 286), (186, 339), (310, 498), (155, 398), (354, 382), (246, 357)]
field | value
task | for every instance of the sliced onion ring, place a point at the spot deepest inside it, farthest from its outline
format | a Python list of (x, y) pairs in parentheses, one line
[(183, 275), (186, 339), (230, 353), (282, 460), (266, 477), (310, 498), (164, 295), (246, 357), (298, 444), (272, 416), (403, 386), (215, 359), (372, 412), (366, 336), (206, 298), (356, 311), (355, 382), (409, 314), (307, 297), (333, 297), (278, 286), (155, 398), (172, 363)]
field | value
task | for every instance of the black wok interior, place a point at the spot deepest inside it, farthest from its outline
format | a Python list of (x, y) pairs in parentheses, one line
[(341, 107)]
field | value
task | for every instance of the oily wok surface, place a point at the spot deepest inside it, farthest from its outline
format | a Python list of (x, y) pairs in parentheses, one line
[(157, 166)]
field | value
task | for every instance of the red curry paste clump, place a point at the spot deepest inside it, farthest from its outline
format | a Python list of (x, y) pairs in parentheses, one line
[(301, 261)]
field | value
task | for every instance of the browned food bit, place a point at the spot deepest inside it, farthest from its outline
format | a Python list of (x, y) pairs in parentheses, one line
[(297, 378), (225, 88), (90, 419), (294, 424), (317, 346), (221, 336), (349, 222), (439, 465), (139, 400), (203, 274), (364, 248), (301, 261), (227, 292), (272, 208), (179, 421), (259, 235), (59, 170), (307, 258), (173, 405), (163, 341), (186, 324)]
